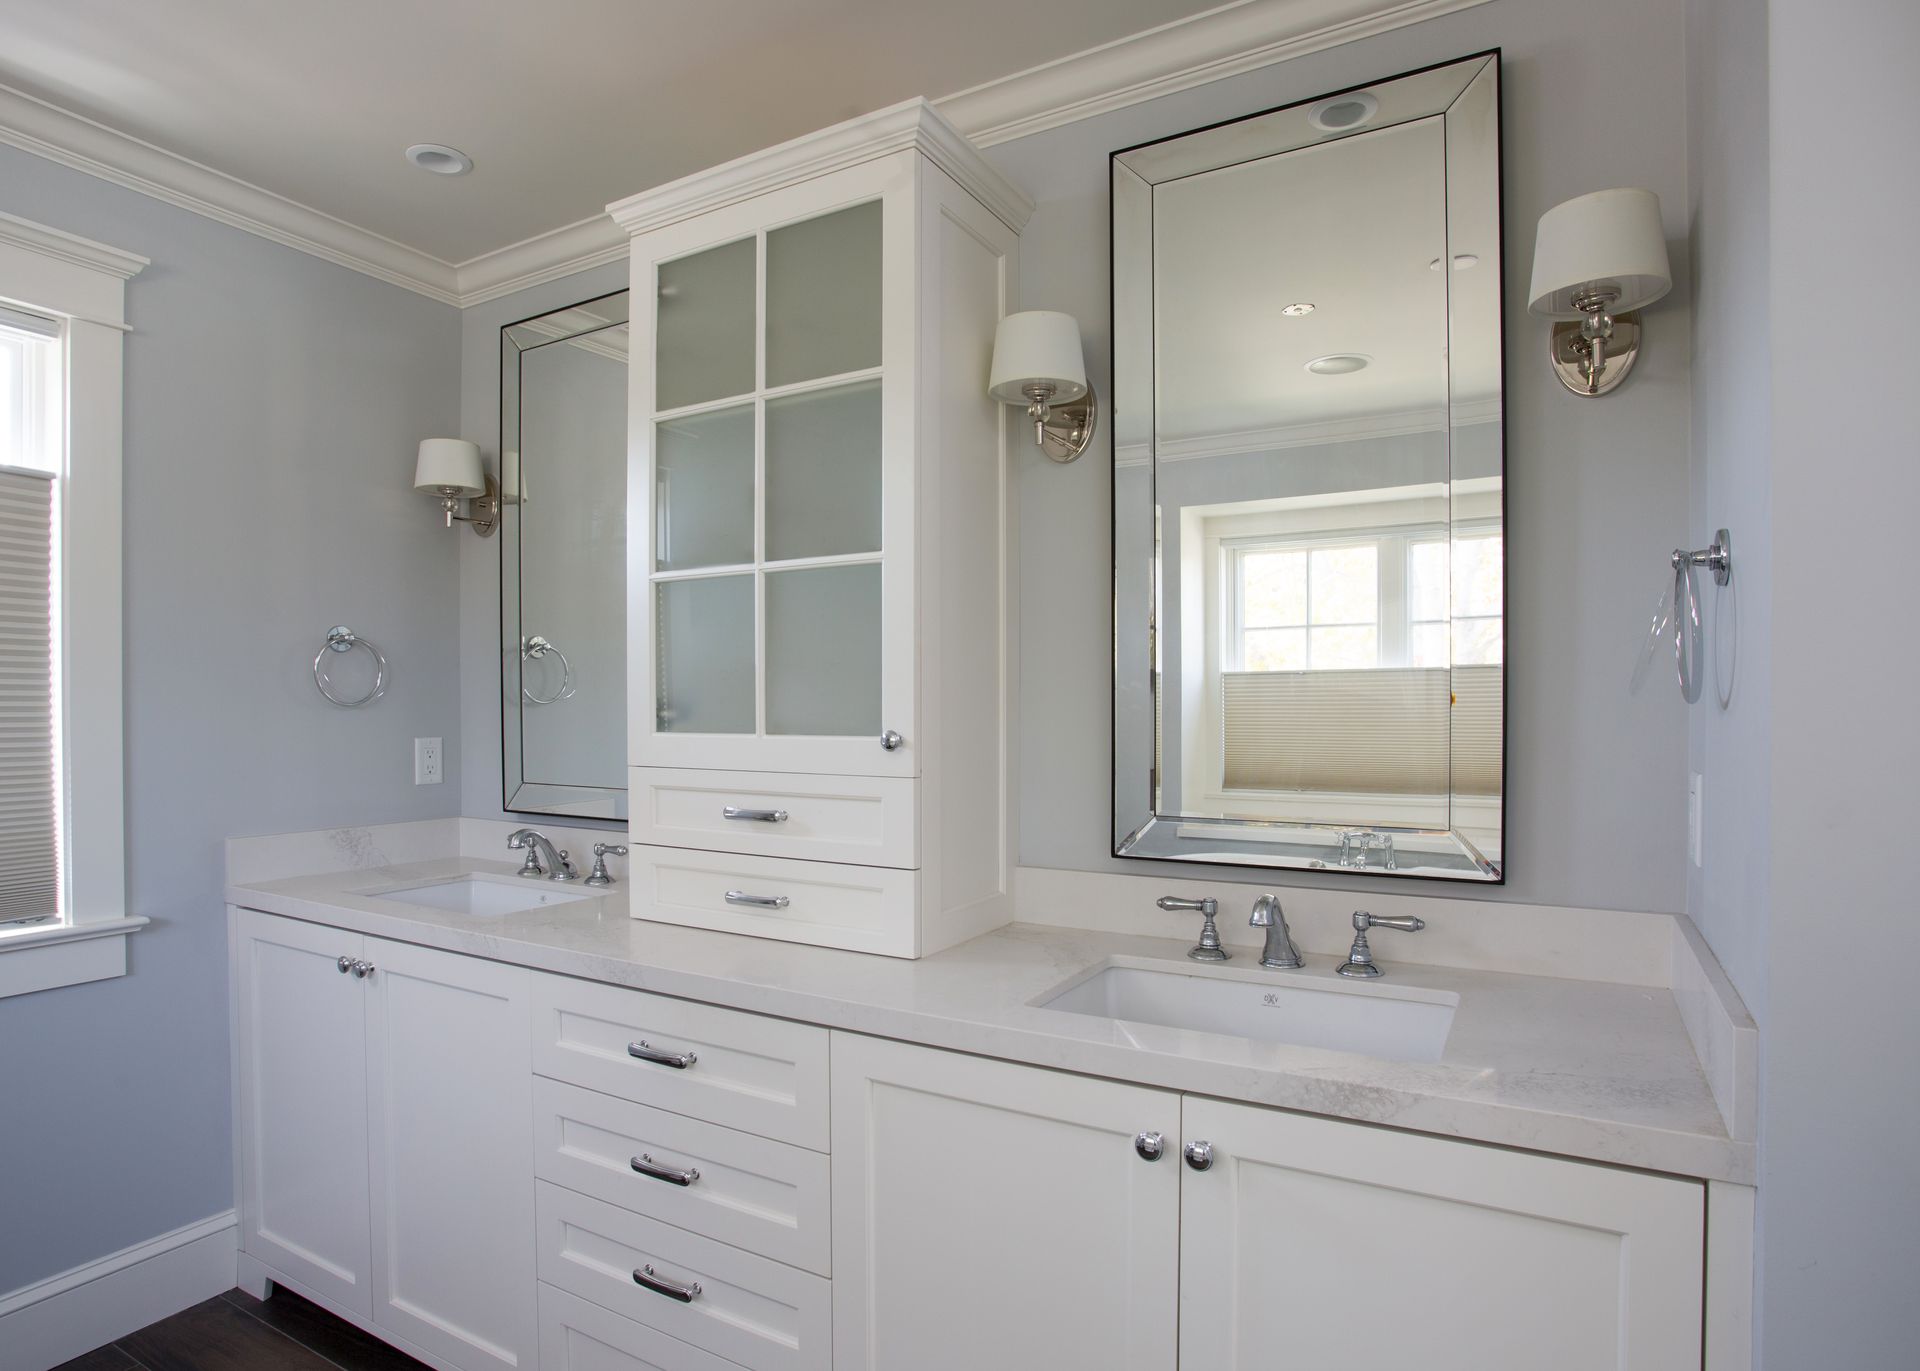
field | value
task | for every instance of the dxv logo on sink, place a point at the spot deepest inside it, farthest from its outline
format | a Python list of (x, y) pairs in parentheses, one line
[(1270, 999)]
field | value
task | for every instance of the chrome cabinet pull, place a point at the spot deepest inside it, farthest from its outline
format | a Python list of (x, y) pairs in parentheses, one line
[(754, 816), (673, 1290), (646, 1052), (647, 1166), (1199, 1155), (345, 964), (891, 740), (757, 901), (1150, 1145)]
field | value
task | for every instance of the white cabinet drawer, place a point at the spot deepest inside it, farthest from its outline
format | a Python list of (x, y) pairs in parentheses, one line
[(746, 1071), (860, 908), (869, 820), (767, 1197), (748, 1309), (578, 1336)]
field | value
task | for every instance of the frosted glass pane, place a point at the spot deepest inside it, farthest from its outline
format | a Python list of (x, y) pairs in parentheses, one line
[(703, 341), (703, 655), (823, 296), (823, 650), (703, 490), (823, 473)]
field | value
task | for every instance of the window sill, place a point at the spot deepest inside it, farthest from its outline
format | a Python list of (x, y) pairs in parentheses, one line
[(44, 958)]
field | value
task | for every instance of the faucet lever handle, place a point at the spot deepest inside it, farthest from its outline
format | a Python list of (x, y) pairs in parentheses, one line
[(1208, 948), (599, 876)]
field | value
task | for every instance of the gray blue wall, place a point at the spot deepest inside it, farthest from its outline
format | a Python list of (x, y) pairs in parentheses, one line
[(272, 405), (1597, 491)]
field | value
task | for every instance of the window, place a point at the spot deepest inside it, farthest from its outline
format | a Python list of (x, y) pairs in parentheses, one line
[(61, 312), (1471, 604), (1307, 608)]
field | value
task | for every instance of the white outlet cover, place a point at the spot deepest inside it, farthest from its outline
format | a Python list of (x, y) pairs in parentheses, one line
[(1696, 799), (427, 761)]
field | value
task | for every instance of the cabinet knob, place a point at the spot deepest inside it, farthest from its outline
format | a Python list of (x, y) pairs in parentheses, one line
[(361, 970), (1150, 1145), (345, 964), (1199, 1155), (891, 740)]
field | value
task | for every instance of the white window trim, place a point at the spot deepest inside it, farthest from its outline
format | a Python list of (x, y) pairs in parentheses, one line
[(84, 283)]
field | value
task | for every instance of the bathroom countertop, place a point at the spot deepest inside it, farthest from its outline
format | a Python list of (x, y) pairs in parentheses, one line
[(1583, 1069)]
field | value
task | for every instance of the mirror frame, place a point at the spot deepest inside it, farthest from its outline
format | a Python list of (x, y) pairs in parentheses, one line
[(519, 795), (1134, 819)]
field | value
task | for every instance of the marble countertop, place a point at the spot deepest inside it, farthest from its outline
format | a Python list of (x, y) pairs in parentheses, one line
[(1583, 1069)]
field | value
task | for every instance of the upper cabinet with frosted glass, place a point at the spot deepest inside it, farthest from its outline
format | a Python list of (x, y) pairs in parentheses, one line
[(815, 496)]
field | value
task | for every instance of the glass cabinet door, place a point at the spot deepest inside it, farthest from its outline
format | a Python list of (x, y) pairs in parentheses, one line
[(767, 544)]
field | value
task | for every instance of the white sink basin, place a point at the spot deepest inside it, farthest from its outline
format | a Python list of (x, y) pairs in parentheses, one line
[(483, 895), (1404, 1023)]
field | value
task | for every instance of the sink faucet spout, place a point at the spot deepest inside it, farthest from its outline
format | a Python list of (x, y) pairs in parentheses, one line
[(1279, 953)]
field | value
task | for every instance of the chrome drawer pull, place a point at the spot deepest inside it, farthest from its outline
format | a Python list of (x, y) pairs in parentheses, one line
[(757, 901), (646, 1052), (647, 1166), (673, 1290), (756, 816)]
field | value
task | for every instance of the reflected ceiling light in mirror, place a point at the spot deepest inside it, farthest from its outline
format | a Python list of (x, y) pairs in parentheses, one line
[(1461, 261), (1597, 259), (1299, 310), (1037, 361), (1340, 113), (440, 159), (1339, 364)]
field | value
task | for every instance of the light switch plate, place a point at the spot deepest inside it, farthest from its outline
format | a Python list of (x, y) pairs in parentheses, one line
[(426, 761)]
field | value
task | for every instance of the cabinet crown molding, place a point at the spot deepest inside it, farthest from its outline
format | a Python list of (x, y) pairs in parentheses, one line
[(912, 124)]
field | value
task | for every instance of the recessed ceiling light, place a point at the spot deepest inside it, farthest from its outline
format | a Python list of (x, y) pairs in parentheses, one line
[(440, 159), (1343, 112), (1461, 262), (1339, 363), (1296, 311)]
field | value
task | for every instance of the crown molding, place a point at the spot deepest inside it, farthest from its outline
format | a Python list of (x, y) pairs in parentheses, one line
[(1326, 432), (1177, 56), (70, 248), (910, 124), (1189, 52)]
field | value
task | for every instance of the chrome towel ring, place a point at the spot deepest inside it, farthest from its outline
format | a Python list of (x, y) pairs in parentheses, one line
[(340, 638), (536, 649)]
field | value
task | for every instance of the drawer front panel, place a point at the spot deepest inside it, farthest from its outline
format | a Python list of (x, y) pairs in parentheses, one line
[(860, 908), (745, 1071), (578, 1336), (764, 1196), (869, 820), (748, 1309)]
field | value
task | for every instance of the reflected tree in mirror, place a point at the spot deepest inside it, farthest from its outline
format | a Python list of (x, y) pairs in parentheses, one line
[(1309, 540), (563, 436)]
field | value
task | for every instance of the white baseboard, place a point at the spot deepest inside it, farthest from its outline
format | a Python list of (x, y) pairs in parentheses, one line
[(57, 1319)]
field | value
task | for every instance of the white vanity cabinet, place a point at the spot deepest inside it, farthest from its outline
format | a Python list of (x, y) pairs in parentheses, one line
[(987, 1214), (817, 585), (385, 1135)]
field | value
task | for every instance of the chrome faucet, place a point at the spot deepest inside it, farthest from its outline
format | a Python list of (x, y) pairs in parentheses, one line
[(557, 866), (1359, 960), (1279, 953), (1356, 843), (1208, 948)]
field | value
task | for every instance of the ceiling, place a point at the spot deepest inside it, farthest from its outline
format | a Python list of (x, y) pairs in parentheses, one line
[(564, 106)]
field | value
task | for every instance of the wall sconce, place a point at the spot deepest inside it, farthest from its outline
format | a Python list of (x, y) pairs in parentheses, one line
[(1598, 259), (1037, 362), (450, 470)]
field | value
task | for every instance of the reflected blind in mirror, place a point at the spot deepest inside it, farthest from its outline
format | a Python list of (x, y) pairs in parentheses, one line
[(29, 869), (1375, 732)]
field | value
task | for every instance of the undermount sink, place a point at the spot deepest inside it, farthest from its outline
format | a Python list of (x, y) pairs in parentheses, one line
[(1403, 1023), (482, 895)]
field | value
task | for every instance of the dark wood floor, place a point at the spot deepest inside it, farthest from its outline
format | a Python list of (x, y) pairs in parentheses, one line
[(236, 1332)]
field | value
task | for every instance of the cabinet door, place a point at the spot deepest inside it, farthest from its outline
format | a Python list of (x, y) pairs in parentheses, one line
[(771, 578), (1314, 1243), (451, 1164), (990, 1215), (302, 1098)]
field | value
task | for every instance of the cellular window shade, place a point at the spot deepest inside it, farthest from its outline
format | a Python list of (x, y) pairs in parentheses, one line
[(1369, 732), (29, 862)]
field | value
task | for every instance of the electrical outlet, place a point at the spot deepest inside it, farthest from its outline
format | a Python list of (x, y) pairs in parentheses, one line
[(426, 761), (1696, 800)]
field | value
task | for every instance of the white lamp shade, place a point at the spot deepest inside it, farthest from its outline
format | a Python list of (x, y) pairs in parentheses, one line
[(449, 464), (1037, 347), (1611, 237), (513, 490)]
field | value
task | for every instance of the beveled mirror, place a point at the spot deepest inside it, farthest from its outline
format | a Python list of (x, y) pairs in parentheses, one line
[(563, 489), (1308, 518)]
